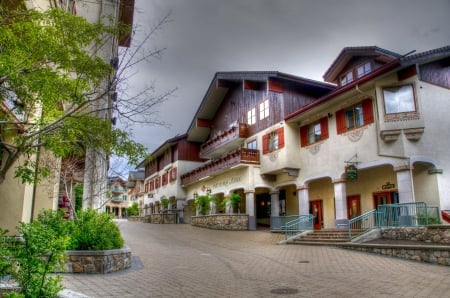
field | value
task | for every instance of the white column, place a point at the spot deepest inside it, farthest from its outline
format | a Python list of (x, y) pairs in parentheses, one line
[(275, 203), (303, 200), (340, 200), (180, 210), (405, 185), (250, 209)]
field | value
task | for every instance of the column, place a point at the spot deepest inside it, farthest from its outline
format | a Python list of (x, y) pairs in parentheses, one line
[(275, 203), (405, 185), (340, 202), (180, 210), (303, 199), (250, 208)]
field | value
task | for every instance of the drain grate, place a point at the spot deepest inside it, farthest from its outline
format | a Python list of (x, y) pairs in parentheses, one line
[(304, 262), (284, 291)]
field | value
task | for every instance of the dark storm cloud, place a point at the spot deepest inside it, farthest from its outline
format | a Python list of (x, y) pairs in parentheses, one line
[(301, 37)]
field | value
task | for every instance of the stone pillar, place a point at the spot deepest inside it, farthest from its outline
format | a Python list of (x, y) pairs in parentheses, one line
[(340, 202), (303, 200), (250, 208), (275, 203), (405, 184), (180, 210)]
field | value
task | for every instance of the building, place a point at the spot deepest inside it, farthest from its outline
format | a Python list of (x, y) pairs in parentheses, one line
[(136, 189), (370, 134), (117, 197), (22, 202)]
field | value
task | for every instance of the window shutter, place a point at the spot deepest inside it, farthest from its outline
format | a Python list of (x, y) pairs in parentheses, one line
[(280, 137), (265, 143), (324, 128), (340, 122), (367, 110), (304, 136)]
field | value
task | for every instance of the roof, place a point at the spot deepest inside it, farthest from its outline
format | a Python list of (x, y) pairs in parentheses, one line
[(400, 62), (136, 175), (215, 94), (161, 149), (348, 53)]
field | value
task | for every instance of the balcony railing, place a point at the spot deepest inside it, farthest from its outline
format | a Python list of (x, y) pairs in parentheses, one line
[(240, 156), (225, 141)]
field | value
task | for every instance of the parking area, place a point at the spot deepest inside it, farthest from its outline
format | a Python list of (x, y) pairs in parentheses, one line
[(185, 261)]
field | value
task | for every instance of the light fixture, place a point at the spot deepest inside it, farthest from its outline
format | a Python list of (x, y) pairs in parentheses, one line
[(208, 191)]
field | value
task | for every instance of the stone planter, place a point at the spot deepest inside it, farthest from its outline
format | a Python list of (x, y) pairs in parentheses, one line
[(234, 222), (97, 261)]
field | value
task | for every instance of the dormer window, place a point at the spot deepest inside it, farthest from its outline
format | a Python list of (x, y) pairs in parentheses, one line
[(347, 78), (364, 69)]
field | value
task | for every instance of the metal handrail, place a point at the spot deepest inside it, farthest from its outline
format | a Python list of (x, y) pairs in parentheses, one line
[(298, 225), (277, 222), (363, 223)]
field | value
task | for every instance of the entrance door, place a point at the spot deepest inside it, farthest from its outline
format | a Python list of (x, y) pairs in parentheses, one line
[(353, 206), (316, 210), (383, 198)]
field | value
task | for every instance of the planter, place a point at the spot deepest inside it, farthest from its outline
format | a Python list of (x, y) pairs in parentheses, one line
[(234, 222), (97, 261)]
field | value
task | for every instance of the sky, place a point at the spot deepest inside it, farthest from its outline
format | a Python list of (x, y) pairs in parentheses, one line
[(298, 37)]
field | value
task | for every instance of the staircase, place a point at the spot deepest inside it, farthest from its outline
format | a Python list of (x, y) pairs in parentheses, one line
[(322, 237)]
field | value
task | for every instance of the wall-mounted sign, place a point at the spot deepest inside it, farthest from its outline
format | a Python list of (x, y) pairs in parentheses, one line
[(388, 185), (351, 172)]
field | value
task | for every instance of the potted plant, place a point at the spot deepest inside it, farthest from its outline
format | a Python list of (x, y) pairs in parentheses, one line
[(234, 201), (164, 202)]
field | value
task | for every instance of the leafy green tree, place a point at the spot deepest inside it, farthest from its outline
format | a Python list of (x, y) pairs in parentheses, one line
[(133, 210), (55, 85)]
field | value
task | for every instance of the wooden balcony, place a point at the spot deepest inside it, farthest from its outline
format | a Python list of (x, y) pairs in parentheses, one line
[(240, 157), (224, 142)]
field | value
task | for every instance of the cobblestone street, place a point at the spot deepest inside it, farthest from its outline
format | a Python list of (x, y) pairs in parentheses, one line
[(185, 261)]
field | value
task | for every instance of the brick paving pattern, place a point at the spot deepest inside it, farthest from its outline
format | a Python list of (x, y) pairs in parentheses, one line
[(186, 261)]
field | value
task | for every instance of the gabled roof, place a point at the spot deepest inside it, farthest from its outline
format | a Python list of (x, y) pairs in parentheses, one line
[(400, 63), (136, 175), (347, 53), (215, 94), (161, 149)]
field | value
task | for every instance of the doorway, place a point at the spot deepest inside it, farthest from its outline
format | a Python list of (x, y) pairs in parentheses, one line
[(353, 206), (315, 208), (383, 198)]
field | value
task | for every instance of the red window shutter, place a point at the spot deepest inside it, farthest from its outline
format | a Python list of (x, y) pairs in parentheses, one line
[(340, 122), (265, 144), (304, 136), (280, 137), (324, 128), (367, 111)]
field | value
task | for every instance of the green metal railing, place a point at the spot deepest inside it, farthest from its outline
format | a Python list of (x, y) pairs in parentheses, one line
[(363, 223), (277, 222), (300, 224)]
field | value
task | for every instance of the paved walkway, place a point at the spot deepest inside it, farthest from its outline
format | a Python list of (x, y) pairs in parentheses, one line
[(185, 261)]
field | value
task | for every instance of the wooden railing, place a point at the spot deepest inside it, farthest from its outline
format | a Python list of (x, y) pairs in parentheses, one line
[(231, 135), (240, 156)]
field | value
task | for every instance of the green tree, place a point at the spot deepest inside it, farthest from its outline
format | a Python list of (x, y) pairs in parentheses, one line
[(55, 86), (133, 210)]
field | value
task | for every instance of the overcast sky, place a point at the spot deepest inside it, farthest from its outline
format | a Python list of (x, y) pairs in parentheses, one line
[(299, 37)]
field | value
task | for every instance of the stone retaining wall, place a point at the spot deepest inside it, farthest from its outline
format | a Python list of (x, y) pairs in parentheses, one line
[(234, 222), (102, 261), (435, 248), (161, 218), (429, 234)]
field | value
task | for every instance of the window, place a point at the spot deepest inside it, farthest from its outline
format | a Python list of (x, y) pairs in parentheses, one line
[(264, 109), (273, 140), (251, 116), (355, 116), (124, 198), (252, 145), (347, 78), (399, 99), (362, 70), (310, 134)]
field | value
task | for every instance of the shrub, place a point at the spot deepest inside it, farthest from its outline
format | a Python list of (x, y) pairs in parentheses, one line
[(95, 231), (133, 209)]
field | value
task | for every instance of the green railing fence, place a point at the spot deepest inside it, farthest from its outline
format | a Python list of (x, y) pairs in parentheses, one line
[(300, 224), (277, 222)]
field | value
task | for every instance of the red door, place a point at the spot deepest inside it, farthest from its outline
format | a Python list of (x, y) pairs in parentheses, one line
[(353, 206), (316, 211)]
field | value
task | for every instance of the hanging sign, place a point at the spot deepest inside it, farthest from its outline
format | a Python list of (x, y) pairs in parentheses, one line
[(351, 172)]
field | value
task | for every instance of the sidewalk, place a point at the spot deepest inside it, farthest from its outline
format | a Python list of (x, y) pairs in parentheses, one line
[(185, 261)]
